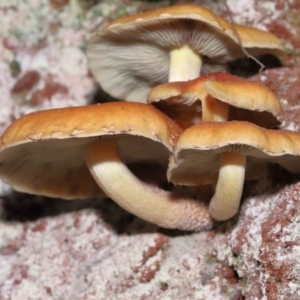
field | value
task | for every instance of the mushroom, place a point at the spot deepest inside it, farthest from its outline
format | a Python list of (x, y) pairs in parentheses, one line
[(47, 152), (227, 149), (218, 97), (135, 53), (41, 153)]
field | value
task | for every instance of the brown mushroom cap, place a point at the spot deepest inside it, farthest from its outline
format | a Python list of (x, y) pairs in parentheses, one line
[(59, 152), (246, 100), (132, 54), (43, 152), (198, 149), (228, 148)]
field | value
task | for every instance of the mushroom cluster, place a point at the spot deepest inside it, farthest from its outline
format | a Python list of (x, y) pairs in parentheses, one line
[(195, 124)]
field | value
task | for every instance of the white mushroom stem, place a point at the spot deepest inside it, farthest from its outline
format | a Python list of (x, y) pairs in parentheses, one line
[(143, 200), (185, 64), (226, 200), (214, 110)]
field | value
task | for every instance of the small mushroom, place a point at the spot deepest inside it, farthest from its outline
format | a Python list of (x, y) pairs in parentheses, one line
[(218, 97), (45, 153), (135, 53), (227, 149)]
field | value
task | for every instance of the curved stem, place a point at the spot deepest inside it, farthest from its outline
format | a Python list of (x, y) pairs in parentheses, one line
[(185, 64), (143, 200), (214, 110), (226, 200)]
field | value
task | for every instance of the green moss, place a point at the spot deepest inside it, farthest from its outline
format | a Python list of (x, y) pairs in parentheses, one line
[(210, 260), (15, 68)]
